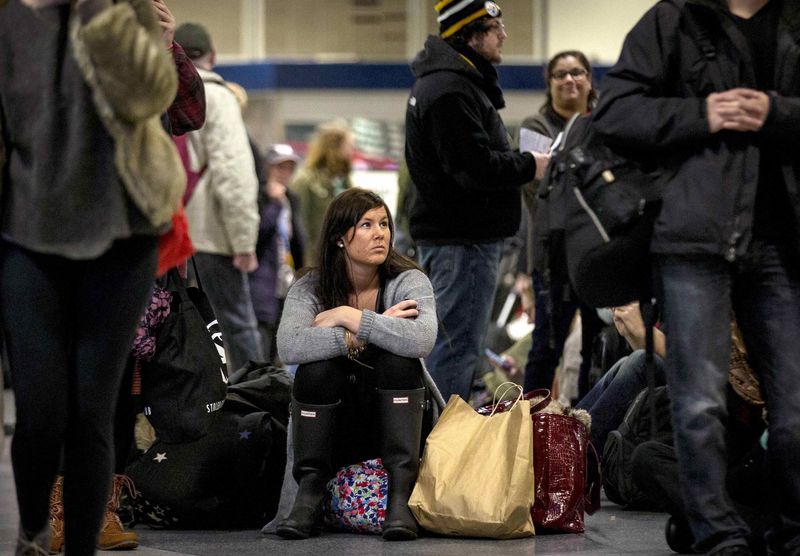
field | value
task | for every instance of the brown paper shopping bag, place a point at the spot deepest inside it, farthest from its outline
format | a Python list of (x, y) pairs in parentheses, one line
[(476, 476)]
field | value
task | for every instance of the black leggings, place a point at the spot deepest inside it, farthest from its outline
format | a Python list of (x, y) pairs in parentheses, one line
[(69, 325), (340, 379)]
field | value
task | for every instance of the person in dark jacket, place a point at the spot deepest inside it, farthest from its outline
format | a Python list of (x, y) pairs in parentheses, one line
[(711, 89), (466, 179), (270, 281)]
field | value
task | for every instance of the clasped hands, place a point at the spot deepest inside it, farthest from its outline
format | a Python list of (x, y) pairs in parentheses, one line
[(738, 109)]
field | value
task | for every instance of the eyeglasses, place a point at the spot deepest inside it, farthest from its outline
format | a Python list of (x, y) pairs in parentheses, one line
[(576, 73), (495, 27)]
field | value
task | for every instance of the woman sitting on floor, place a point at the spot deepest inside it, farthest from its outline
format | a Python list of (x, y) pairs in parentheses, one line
[(358, 325)]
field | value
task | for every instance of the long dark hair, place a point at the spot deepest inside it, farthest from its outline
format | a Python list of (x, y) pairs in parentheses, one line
[(548, 72), (333, 284)]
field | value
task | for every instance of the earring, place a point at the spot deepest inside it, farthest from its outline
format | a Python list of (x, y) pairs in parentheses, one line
[(340, 243)]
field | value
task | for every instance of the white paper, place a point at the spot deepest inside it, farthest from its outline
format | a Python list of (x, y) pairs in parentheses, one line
[(530, 140)]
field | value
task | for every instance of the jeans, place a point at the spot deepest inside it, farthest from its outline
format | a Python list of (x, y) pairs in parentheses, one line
[(555, 309), (228, 290), (464, 278), (699, 292), (608, 401), (69, 327)]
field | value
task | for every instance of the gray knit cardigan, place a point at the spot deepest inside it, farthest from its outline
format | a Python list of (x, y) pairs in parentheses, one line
[(299, 341)]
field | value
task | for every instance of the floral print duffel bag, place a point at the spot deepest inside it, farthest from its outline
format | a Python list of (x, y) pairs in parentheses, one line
[(356, 499)]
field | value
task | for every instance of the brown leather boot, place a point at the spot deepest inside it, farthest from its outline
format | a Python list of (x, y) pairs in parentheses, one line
[(57, 516), (113, 535)]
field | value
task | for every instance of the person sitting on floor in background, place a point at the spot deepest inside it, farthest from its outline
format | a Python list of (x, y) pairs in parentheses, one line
[(357, 324), (608, 401)]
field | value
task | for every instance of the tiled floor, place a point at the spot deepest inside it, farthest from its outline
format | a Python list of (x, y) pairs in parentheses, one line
[(610, 532)]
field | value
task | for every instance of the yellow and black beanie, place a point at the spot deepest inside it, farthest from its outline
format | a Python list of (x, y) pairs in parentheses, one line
[(456, 14)]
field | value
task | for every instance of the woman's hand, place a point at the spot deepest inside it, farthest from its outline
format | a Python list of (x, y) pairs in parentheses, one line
[(166, 21), (629, 323), (406, 309), (345, 316)]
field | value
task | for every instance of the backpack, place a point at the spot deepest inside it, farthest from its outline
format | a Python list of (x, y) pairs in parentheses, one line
[(597, 207), (598, 210), (635, 428), (231, 477)]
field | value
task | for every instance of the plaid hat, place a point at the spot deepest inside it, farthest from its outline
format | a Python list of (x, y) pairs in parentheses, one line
[(456, 14), (194, 39), (281, 153)]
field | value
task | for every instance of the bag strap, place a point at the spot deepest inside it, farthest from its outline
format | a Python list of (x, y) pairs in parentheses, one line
[(567, 129), (176, 282), (648, 311), (192, 177), (196, 274), (702, 36), (174, 277), (592, 491), (547, 398), (509, 386)]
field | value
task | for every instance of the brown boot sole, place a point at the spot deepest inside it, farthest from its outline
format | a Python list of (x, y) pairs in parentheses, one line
[(121, 545)]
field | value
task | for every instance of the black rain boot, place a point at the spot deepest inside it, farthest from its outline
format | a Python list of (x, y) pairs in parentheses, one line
[(401, 425), (313, 429)]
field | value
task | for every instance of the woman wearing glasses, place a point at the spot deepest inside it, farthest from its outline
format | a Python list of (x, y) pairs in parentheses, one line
[(570, 91)]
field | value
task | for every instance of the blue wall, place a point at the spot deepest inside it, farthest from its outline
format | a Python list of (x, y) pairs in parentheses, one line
[(276, 75)]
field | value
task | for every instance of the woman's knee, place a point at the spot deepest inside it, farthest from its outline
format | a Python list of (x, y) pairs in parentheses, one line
[(318, 383), (394, 372)]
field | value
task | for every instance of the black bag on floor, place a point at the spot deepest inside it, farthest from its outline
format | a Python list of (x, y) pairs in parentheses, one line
[(635, 429), (231, 477), (184, 384)]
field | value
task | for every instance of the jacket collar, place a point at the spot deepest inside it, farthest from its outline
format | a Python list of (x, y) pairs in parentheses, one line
[(438, 55)]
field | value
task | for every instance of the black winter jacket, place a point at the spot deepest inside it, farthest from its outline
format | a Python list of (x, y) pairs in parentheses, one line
[(654, 103), (466, 176)]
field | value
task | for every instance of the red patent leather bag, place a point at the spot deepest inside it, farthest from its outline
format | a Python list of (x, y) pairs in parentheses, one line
[(561, 449)]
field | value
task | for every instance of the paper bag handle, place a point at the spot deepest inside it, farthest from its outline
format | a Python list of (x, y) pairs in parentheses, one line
[(509, 386)]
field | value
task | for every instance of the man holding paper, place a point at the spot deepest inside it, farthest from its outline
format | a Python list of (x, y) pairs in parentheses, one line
[(466, 179)]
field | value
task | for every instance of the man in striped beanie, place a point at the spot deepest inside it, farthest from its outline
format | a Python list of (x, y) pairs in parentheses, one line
[(466, 179)]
